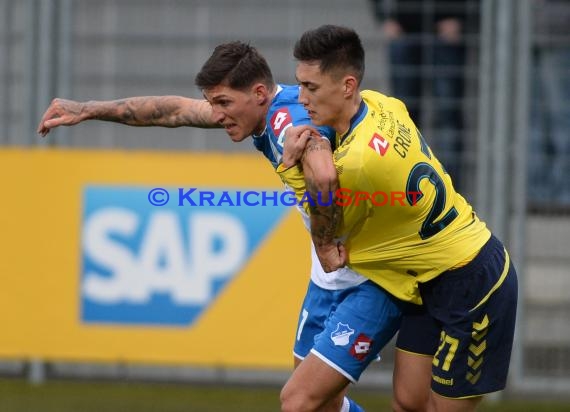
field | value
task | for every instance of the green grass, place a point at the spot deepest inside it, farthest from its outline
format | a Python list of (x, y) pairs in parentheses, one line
[(85, 396)]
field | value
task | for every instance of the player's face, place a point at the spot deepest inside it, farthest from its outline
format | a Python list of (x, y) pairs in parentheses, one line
[(321, 94), (239, 112)]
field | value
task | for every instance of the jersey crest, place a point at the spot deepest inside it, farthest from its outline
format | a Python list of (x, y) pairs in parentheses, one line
[(341, 335)]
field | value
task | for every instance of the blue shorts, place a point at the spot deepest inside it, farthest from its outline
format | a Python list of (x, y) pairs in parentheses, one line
[(347, 328), (467, 324)]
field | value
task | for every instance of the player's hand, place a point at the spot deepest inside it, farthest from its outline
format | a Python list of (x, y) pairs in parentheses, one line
[(332, 256), (296, 138), (61, 112)]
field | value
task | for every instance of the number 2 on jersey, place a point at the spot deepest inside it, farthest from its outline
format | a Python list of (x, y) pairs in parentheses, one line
[(422, 171)]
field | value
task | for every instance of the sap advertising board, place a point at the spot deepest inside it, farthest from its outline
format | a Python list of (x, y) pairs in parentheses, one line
[(162, 265)]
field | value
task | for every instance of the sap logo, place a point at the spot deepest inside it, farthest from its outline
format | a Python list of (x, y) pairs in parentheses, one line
[(149, 265), (162, 264)]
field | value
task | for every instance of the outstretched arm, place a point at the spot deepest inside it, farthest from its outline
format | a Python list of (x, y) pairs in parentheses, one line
[(166, 111), (326, 214)]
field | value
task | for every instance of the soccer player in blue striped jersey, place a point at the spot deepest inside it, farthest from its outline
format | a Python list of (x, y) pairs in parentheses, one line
[(345, 318)]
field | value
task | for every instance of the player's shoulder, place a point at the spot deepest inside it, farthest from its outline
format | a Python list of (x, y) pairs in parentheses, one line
[(386, 114), (377, 133), (287, 93), (381, 101), (286, 102), (285, 110)]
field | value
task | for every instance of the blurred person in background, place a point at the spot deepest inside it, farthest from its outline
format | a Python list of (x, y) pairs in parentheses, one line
[(427, 56), (549, 156), (345, 319)]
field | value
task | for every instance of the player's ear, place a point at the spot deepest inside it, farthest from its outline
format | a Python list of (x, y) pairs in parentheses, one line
[(260, 93), (350, 85)]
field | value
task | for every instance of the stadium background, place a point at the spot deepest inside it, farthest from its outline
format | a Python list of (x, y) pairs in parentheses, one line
[(118, 48)]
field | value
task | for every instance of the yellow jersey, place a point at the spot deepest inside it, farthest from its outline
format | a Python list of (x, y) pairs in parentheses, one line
[(403, 222)]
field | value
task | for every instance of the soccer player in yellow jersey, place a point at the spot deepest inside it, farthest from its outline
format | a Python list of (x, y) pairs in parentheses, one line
[(402, 225)]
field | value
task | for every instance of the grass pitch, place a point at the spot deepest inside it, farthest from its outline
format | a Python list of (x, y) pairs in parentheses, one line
[(17, 395)]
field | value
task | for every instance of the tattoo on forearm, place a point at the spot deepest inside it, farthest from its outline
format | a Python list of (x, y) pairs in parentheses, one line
[(128, 111), (326, 213), (166, 111), (314, 145)]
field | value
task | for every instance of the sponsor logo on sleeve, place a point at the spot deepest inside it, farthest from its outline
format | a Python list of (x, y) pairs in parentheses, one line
[(280, 120)]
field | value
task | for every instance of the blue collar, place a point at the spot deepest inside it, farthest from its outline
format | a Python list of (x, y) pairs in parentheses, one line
[(358, 116)]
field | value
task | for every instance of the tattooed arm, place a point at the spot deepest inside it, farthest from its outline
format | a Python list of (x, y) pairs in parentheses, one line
[(326, 214), (166, 111)]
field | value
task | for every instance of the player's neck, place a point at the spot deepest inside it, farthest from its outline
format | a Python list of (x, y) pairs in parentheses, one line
[(267, 104), (271, 94), (350, 110)]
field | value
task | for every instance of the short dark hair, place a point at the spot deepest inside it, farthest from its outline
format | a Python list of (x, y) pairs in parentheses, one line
[(334, 47), (237, 65)]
